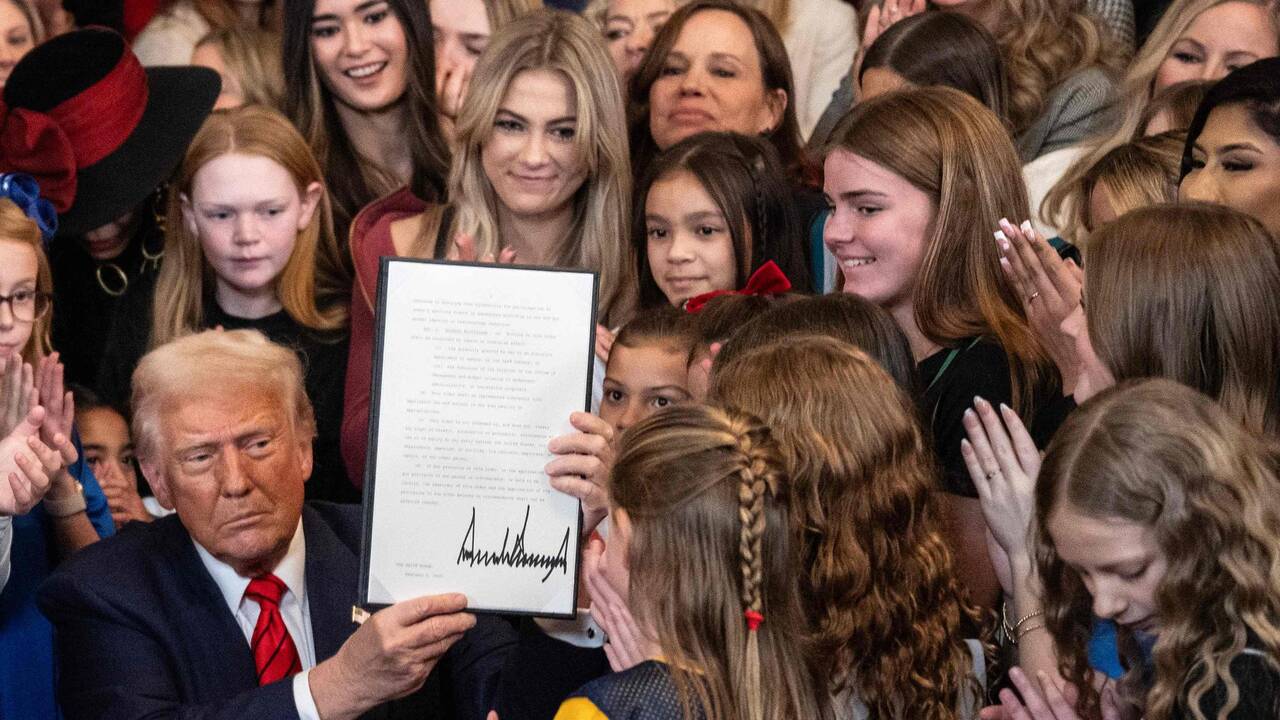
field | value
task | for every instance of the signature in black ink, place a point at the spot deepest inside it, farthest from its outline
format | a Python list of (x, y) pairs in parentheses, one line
[(516, 557)]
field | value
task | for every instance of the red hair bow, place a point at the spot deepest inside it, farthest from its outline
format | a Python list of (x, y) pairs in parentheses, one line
[(34, 143), (768, 280)]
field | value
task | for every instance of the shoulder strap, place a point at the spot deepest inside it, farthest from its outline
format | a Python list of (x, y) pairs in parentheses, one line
[(951, 357)]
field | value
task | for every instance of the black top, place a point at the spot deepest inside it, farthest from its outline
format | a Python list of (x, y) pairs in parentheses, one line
[(980, 368), (93, 300), (1258, 683), (324, 366)]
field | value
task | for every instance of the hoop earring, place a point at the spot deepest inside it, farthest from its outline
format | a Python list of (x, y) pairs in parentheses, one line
[(124, 279)]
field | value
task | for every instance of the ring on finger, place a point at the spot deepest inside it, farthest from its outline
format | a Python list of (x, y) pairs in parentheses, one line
[(991, 474), (1034, 295)]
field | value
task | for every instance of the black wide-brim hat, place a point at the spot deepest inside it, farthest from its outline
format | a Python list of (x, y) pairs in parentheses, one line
[(98, 131)]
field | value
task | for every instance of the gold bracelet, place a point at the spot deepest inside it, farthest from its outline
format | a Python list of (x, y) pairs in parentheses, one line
[(1025, 618), (1026, 631)]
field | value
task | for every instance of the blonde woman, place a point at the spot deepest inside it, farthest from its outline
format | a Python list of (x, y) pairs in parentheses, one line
[(461, 30), (248, 61), (248, 216), (541, 174), (629, 27), (1194, 40), (1137, 174), (20, 30), (880, 587)]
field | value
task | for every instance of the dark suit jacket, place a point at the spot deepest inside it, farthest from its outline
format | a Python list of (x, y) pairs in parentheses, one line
[(142, 631)]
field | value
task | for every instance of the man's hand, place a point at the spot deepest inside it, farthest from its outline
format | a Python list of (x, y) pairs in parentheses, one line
[(389, 656)]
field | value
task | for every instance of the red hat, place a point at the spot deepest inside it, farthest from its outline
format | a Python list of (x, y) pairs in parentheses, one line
[(97, 131)]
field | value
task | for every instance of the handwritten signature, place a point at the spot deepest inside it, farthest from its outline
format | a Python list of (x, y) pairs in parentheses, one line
[(516, 557)]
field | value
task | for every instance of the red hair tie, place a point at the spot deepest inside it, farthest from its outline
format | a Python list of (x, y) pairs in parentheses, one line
[(768, 280), (753, 620)]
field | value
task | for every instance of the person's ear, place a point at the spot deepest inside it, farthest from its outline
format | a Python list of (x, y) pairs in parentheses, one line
[(188, 214), (773, 111), (310, 200), (306, 457), (158, 481), (620, 525)]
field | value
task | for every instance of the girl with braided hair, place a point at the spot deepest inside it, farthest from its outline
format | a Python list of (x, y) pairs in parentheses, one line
[(701, 552), (712, 210)]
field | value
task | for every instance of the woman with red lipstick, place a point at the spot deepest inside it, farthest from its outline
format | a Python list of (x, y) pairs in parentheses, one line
[(716, 208), (359, 80), (1155, 509), (911, 178), (541, 174), (247, 214)]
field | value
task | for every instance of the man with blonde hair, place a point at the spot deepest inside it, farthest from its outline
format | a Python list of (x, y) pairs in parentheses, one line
[(239, 604)]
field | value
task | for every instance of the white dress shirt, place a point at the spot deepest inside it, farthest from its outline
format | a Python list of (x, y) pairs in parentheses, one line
[(293, 608), (6, 541)]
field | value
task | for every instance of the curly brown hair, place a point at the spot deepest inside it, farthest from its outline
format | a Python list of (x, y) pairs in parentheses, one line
[(881, 590), (1161, 454)]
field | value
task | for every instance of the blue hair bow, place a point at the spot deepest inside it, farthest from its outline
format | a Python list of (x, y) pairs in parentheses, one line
[(23, 190)]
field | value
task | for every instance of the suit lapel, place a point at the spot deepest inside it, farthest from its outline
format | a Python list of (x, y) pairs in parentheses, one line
[(215, 630), (332, 574)]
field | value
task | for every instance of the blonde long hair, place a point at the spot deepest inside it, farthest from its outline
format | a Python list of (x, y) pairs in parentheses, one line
[(1135, 92), (1162, 455), (567, 44), (956, 151), (705, 490), (1136, 174), (1043, 42), (15, 226), (181, 287), (1187, 292), (885, 605)]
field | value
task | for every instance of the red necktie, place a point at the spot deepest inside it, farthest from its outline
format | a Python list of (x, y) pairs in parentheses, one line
[(274, 653)]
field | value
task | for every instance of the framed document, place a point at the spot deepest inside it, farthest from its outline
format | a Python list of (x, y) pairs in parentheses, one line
[(476, 368)]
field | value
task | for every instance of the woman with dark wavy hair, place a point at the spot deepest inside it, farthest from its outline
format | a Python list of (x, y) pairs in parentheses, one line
[(885, 607)]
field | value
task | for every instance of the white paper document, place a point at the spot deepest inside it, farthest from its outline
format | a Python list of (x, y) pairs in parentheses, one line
[(477, 367)]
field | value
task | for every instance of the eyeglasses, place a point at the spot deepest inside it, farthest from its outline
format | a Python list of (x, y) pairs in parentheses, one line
[(26, 305)]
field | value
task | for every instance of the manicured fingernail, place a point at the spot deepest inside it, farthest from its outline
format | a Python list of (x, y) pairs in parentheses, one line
[(978, 401), (1026, 226), (968, 412), (1005, 408), (1005, 262)]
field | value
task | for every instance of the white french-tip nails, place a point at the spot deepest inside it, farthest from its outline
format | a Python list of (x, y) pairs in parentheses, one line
[(999, 234), (1026, 226)]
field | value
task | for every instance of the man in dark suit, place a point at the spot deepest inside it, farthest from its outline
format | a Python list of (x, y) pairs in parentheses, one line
[(239, 605)]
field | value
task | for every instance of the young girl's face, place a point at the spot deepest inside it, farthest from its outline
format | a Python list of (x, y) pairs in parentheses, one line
[(877, 228), (642, 380), (360, 52), (247, 212), (1221, 39), (107, 446), (18, 270), (688, 242), (1119, 562)]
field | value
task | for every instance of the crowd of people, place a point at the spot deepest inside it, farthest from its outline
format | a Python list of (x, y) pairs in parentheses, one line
[(937, 366)]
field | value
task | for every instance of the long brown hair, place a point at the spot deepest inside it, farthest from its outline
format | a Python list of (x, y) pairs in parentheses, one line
[(1187, 292), (955, 150), (182, 285), (775, 68), (705, 491), (15, 226), (311, 107), (1162, 455), (881, 590), (567, 44)]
